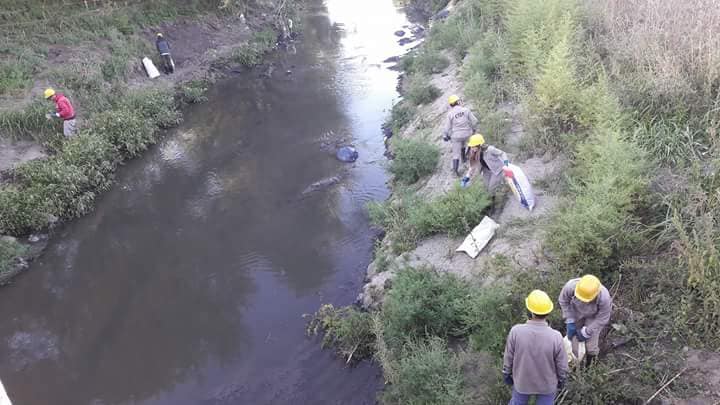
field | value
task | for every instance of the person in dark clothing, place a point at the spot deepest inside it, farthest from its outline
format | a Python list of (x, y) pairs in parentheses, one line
[(163, 47)]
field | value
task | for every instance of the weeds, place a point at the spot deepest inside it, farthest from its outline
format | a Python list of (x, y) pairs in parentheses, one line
[(10, 250), (347, 329), (400, 115), (427, 374), (410, 218), (413, 160), (420, 92)]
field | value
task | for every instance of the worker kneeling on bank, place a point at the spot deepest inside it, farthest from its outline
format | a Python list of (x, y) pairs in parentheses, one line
[(535, 362)]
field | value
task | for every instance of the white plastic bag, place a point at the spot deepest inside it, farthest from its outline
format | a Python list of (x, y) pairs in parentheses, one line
[(520, 186), (574, 356), (150, 68), (4, 399), (479, 237)]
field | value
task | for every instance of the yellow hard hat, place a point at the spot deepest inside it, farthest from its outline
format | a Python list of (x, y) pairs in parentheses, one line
[(49, 93), (587, 288), (476, 140), (539, 303), (453, 99)]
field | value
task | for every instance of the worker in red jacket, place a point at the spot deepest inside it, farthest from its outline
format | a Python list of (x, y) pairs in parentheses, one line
[(63, 110)]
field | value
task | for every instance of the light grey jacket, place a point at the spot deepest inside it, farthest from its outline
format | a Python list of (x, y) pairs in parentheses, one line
[(495, 159), (460, 123), (594, 314), (536, 358)]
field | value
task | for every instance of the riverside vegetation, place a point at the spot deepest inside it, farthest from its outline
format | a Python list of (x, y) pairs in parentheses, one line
[(628, 93), (119, 120)]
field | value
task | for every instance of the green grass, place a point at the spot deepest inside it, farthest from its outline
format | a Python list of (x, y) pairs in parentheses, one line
[(413, 160), (10, 249), (420, 92), (411, 218)]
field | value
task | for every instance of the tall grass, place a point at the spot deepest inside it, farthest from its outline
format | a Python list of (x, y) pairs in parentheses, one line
[(413, 160)]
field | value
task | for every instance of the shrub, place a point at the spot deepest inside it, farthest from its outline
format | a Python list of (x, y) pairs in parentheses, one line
[(608, 184), (126, 130), (420, 92), (426, 61), (347, 329), (392, 216), (489, 316), (155, 105), (413, 160), (424, 303), (533, 30), (400, 115), (246, 55), (193, 91), (455, 213), (10, 250), (427, 374)]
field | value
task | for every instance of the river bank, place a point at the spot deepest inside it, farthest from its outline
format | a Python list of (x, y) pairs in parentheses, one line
[(605, 206), (187, 282), (45, 179)]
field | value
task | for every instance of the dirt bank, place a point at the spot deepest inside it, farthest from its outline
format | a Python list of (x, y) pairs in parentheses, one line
[(517, 243)]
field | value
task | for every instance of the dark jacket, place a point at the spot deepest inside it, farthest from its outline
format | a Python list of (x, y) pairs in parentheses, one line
[(163, 46)]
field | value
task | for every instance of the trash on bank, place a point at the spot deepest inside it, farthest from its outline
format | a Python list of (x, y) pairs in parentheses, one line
[(150, 68), (347, 154), (479, 237), (520, 186), (575, 356)]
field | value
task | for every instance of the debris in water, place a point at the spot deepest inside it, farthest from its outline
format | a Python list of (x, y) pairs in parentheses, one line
[(400, 33), (347, 154), (320, 185)]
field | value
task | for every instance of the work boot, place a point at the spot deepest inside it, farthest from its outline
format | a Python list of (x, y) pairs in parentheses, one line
[(456, 165), (589, 360)]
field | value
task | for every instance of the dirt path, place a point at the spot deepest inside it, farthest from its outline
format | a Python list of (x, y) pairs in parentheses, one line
[(516, 245)]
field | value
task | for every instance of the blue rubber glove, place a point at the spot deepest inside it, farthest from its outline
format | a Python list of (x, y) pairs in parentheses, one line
[(506, 163), (571, 330), (508, 379), (464, 182), (581, 336)]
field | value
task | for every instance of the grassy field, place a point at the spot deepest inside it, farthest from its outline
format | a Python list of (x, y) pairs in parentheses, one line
[(626, 91)]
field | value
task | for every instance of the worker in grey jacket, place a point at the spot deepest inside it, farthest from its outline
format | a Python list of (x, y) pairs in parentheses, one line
[(460, 123), (586, 307), (535, 362), (491, 161)]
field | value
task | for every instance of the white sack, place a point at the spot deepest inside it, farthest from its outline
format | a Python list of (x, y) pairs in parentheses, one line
[(479, 237)]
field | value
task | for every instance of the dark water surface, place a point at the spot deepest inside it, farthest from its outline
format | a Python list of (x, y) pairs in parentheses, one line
[(188, 283)]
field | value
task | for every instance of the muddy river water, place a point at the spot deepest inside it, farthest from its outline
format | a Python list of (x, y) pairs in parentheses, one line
[(188, 283)]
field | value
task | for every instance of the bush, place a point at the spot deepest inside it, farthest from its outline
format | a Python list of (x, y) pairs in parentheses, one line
[(426, 61), (420, 92), (489, 316), (533, 30), (193, 92), (424, 303), (126, 130), (608, 186), (413, 160), (455, 213), (10, 250), (400, 115), (347, 329), (428, 374)]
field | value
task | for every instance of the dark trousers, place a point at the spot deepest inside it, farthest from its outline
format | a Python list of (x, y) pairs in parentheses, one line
[(168, 65)]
